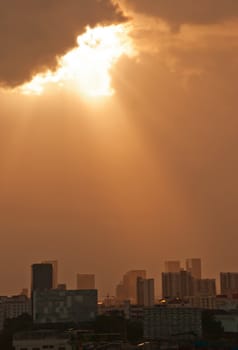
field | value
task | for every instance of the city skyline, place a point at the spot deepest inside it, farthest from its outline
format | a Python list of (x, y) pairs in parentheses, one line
[(187, 297), (43, 274), (70, 277)]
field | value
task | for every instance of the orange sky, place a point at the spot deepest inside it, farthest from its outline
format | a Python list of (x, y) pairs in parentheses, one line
[(133, 179)]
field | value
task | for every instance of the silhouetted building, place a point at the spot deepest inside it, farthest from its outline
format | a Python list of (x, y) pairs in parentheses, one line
[(120, 292), (54, 264), (205, 287), (172, 266), (145, 292), (42, 277), (194, 266), (127, 289), (229, 283), (85, 281), (177, 284)]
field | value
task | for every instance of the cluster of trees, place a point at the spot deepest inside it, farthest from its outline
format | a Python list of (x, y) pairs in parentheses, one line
[(211, 329), (12, 326), (128, 330)]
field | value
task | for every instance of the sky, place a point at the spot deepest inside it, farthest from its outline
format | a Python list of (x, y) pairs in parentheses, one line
[(126, 179)]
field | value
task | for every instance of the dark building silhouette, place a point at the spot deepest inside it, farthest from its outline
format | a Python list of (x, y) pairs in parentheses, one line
[(229, 283), (42, 276), (177, 284), (145, 292), (194, 266)]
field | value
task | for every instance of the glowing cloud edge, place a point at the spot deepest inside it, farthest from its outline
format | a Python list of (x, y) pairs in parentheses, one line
[(87, 67)]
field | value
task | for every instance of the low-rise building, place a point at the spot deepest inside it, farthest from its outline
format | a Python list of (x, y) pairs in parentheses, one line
[(203, 302), (223, 302), (13, 307), (16, 306), (41, 340), (64, 306), (228, 320), (162, 322), (126, 309)]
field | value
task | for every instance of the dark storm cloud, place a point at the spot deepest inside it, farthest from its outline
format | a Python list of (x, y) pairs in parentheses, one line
[(33, 33), (187, 11)]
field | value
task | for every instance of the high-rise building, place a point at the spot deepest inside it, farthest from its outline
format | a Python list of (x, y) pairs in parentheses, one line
[(177, 284), (229, 283), (140, 291), (194, 266), (145, 292), (130, 283), (120, 292), (172, 266), (42, 277), (127, 289), (54, 264), (205, 287), (186, 281), (85, 281), (170, 284)]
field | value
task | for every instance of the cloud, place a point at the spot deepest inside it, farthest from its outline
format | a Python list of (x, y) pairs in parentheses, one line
[(181, 12), (33, 33)]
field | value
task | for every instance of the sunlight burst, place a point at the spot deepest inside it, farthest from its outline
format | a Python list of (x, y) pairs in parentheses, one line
[(87, 67)]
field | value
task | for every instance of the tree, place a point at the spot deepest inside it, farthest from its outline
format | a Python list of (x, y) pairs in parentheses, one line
[(211, 328), (12, 326)]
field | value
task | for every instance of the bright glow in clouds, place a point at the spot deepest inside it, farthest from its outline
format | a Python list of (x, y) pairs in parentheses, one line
[(87, 67)]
